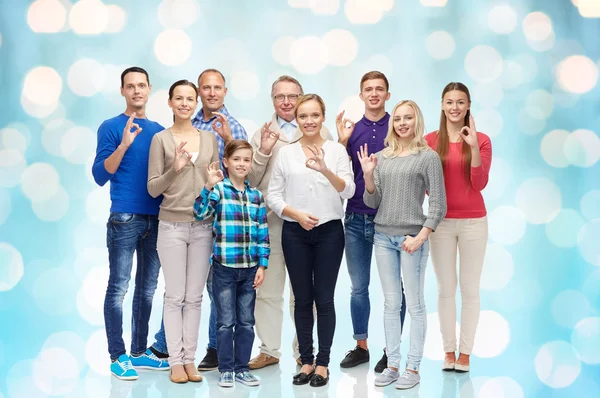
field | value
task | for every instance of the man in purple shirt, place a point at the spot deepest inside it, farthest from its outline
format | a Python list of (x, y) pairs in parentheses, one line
[(359, 219)]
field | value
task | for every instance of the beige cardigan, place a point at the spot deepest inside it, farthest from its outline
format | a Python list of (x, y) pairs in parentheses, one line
[(262, 166), (179, 190)]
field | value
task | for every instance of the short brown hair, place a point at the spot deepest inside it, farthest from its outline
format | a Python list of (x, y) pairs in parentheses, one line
[(286, 78), (211, 71), (309, 97), (234, 146), (374, 74)]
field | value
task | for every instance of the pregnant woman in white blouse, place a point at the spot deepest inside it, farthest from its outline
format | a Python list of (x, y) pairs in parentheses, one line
[(310, 180)]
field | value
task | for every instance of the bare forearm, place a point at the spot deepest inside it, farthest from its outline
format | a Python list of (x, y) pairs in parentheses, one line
[(338, 183), (290, 212), (369, 183), (423, 234), (112, 163)]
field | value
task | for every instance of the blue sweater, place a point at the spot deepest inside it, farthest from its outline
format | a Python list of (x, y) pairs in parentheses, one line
[(128, 186)]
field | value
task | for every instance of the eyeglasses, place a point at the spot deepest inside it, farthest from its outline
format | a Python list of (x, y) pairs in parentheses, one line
[(290, 97)]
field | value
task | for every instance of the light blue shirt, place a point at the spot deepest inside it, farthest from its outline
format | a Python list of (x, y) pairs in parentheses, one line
[(289, 128)]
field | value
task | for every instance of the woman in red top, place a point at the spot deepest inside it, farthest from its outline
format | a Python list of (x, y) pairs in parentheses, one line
[(466, 156)]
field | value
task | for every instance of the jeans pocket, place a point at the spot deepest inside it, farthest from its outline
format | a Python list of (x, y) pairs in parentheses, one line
[(121, 218), (166, 225)]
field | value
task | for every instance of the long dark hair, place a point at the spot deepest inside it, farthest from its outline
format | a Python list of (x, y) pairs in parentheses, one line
[(444, 140)]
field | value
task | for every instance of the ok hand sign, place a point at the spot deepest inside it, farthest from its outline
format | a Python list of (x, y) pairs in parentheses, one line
[(367, 162), (182, 156), (215, 174), (469, 133), (128, 135)]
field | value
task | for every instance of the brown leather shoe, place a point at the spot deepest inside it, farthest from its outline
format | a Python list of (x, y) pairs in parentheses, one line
[(262, 360), (192, 373), (178, 374)]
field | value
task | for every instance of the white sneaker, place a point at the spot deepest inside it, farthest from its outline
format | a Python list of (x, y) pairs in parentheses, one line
[(388, 376), (408, 380), (447, 365)]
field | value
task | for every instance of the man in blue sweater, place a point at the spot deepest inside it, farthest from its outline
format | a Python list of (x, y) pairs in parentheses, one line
[(122, 158)]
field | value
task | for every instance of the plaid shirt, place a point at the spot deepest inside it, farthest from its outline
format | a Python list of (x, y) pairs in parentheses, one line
[(240, 224), (237, 131)]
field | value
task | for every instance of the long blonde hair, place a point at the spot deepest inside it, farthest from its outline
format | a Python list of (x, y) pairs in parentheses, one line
[(392, 141)]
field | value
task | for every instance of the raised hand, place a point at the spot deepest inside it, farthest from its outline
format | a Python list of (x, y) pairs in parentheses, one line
[(215, 174), (307, 220), (469, 133), (367, 162), (128, 135), (345, 127), (223, 130), (182, 157), (317, 161), (268, 139)]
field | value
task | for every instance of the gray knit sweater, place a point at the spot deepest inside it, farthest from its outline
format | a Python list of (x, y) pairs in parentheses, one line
[(400, 185)]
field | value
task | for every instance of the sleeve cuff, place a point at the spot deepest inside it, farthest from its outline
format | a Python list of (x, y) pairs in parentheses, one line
[(261, 158), (431, 224)]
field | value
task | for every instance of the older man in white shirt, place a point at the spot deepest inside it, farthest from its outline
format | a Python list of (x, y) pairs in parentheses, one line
[(281, 131)]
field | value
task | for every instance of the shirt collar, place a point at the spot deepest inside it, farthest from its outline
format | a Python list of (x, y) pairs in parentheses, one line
[(228, 182), (281, 122), (200, 115), (381, 122)]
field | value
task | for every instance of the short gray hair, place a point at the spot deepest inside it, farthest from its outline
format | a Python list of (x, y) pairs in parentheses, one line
[(286, 78)]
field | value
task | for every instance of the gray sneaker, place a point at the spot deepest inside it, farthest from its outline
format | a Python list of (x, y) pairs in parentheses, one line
[(388, 376), (226, 379), (408, 380)]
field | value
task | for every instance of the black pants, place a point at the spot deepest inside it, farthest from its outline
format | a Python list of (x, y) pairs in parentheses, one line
[(313, 261)]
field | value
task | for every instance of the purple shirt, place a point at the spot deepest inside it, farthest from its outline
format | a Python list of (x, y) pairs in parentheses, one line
[(373, 134)]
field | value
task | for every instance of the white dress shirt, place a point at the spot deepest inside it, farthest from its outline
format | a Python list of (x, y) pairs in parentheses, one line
[(293, 184)]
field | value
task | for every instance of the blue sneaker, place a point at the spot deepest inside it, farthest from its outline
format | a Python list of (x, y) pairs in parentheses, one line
[(226, 379), (247, 378), (149, 361), (123, 369)]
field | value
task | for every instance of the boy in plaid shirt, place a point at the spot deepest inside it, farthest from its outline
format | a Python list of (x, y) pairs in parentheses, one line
[(240, 256)]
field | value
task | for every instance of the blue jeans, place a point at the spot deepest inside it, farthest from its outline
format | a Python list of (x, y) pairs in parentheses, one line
[(128, 233), (161, 342), (234, 301), (360, 229), (392, 261)]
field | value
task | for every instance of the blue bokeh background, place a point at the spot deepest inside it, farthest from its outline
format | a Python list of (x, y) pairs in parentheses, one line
[(532, 67)]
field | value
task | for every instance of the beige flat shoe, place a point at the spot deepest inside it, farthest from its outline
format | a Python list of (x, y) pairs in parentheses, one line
[(192, 373), (262, 360), (461, 368), (178, 374), (447, 365)]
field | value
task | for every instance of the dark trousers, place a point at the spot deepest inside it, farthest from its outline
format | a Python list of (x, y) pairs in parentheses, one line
[(313, 261)]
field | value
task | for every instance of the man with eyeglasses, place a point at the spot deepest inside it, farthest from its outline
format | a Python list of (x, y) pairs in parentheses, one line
[(267, 141)]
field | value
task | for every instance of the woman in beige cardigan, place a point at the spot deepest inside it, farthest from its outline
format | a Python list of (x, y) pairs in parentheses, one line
[(177, 170)]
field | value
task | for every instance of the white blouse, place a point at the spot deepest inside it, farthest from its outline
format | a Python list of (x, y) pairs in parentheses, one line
[(307, 190)]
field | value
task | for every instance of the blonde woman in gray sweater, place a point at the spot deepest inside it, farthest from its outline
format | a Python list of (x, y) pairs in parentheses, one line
[(396, 180), (177, 170)]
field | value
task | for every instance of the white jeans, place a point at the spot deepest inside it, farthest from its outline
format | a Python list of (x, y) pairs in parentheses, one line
[(469, 236)]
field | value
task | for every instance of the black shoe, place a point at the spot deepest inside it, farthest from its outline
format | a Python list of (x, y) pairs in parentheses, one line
[(382, 364), (303, 378), (318, 380), (210, 360), (355, 357), (160, 355)]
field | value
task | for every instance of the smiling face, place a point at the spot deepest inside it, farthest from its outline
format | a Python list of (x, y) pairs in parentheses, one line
[(285, 95), (455, 105), (310, 118), (212, 91), (404, 120), (183, 102), (135, 90), (239, 163), (374, 94)]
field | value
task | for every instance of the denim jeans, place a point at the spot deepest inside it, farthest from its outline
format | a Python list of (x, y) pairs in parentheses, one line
[(129, 233), (313, 261), (392, 262), (234, 301), (360, 229)]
